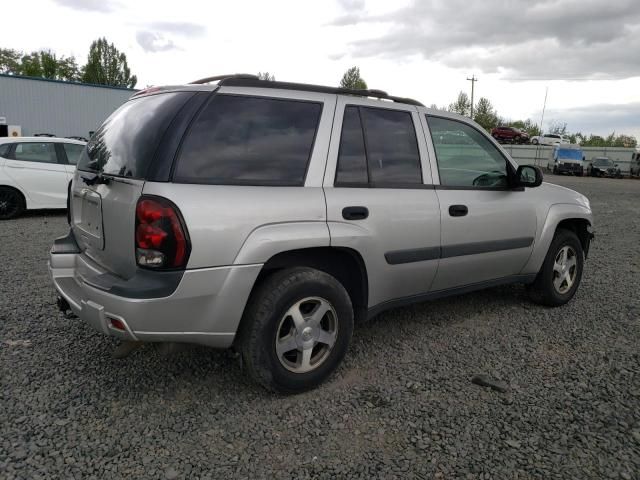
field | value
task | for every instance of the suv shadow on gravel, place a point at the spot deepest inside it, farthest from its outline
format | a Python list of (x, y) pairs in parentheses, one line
[(272, 215)]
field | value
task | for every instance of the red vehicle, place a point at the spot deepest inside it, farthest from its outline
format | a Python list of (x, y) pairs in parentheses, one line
[(509, 134)]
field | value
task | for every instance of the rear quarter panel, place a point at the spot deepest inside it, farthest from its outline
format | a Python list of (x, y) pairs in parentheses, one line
[(244, 224)]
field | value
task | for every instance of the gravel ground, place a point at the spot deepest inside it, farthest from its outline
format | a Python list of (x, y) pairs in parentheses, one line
[(402, 405)]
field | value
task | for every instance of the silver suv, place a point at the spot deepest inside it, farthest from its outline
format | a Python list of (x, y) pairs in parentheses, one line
[(271, 216)]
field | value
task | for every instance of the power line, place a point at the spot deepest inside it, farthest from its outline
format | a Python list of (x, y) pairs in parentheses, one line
[(473, 81)]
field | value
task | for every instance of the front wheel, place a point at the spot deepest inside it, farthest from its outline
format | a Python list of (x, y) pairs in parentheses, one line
[(535, 141), (296, 329), (561, 272)]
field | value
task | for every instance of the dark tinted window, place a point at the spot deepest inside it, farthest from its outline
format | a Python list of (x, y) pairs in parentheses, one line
[(125, 143), (73, 152), (4, 149), (392, 146), (44, 152), (352, 160), (250, 141), (466, 157)]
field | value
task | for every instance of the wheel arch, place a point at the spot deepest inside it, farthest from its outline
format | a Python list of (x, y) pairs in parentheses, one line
[(345, 264), (576, 218), (25, 197)]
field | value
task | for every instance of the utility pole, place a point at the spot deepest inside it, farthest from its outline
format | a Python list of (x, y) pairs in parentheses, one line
[(473, 81)]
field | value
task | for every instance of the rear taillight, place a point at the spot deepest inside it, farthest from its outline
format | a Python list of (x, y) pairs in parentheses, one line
[(161, 237)]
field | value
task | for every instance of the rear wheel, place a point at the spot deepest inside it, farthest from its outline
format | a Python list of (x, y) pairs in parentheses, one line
[(296, 329), (12, 203), (534, 141), (561, 271)]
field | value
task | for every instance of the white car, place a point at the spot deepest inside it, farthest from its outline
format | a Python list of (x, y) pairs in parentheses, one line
[(35, 173), (549, 139)]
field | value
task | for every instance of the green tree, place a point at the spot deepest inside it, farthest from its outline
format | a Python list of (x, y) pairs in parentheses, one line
[(267, 76), (352, 79), (41, 63), (627, 141), (527, 126), (558, 128), (106, 65), (9, 60), (485, 115), (462, 105)]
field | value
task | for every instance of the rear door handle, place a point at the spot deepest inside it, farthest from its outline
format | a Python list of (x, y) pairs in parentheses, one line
[(14, 166), (355, 213), (458, 210)]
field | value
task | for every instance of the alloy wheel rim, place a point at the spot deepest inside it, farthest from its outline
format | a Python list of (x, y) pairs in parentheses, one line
[(8, 203), (306, 334), (565, 267)]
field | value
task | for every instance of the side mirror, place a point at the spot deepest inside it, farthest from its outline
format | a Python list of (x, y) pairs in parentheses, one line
[(528, 176)]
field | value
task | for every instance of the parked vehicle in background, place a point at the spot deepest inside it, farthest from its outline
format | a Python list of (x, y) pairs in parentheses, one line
[(634, 169), (35, 173), (272, 215), (510, 135), (549, 139), (604, 167), (567, 158)]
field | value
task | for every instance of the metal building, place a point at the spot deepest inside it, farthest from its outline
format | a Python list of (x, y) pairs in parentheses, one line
[(64, 109)]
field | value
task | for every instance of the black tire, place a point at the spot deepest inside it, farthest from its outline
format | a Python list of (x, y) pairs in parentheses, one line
[(262, 319), (555, 170), (535, 141), (12, 203), (543, 291)]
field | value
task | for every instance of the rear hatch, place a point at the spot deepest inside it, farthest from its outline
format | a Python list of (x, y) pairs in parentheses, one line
[(110, 177)]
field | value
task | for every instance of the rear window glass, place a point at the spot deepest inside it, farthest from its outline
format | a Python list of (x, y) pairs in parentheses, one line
[(125, 143), (4, 149), (241, 140), (73, 152), (392, 146)]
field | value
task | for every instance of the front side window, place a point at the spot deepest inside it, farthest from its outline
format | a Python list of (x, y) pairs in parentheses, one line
[(378, 146), (241, 140), (44, 152), (73, 152), (465, 157)]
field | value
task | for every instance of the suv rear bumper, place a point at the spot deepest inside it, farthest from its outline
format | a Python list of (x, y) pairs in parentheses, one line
[(205, 307)]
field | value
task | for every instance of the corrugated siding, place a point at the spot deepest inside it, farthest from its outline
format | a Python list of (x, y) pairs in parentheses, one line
[(60, 108)]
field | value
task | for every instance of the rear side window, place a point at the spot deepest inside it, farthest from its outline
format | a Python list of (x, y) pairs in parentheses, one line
[(73, 152), (241, 140), (44, 152), (126, 142), (378, 146)]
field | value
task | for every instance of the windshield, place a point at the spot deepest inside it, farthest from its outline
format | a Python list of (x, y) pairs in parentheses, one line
[(125, 143), (602, 162), (570, 154)]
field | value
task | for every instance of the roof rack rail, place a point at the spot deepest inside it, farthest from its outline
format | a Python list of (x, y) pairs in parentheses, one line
[(222, 77), (242, 80)]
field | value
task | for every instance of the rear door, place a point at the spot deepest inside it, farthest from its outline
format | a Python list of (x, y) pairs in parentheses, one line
[(110, 176), (35, 167), (379, 198), (488, 228)]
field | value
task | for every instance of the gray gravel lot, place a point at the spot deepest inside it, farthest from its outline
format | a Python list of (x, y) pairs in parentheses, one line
[(402, 405)]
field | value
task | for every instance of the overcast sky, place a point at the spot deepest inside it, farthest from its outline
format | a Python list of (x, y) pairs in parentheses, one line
[(587, 52)]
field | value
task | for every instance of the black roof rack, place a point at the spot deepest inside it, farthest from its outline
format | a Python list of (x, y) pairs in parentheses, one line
[(247, 80), (222, 77)]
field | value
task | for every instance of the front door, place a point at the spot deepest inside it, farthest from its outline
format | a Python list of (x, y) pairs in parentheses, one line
[(488, 228), (379, 201)]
